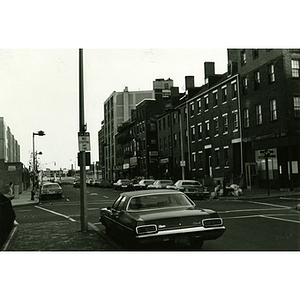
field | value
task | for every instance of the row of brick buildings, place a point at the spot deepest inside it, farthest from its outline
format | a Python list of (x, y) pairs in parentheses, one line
[(218, 131)]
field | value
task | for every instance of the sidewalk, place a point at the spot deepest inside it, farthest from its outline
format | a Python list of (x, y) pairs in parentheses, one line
[(67, 236), (54, 236)]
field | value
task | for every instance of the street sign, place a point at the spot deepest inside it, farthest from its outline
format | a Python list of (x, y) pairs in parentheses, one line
[(182, 163), (84, 141)]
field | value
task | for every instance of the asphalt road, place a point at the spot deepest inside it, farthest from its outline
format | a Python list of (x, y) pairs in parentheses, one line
[(272, 225)]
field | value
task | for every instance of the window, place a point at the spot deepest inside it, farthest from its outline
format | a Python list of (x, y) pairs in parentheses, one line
[(194, 160), (225, 123), (164, 123), (199, 106), (295, 68), (206, 102), (255, 53), (226, 156), (245, 85), (193, 133), (224, 94), (243, 57), (246, 118), (215, 98), (235, 120), (200, 160), (165, 142), (297, 106), (199, 131), (161, 144), (216, 126), (271, 73), (185, 112), (258, 114), (217, 158), (175, 139), (256, 80), (192, 109), (186, 136), (159, 125), (273, 111), (207, 129), (174, 117), (234, 89)]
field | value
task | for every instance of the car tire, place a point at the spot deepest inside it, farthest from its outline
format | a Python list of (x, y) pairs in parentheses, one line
[(196, 243)]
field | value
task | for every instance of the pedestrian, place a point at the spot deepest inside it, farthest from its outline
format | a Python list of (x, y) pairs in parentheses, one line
[(11, 189), (7, 217)]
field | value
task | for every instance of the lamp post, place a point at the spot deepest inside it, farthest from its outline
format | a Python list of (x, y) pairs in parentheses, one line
[(40, 133)]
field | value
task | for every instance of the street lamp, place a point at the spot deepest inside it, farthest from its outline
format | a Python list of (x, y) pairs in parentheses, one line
[(40, 133)]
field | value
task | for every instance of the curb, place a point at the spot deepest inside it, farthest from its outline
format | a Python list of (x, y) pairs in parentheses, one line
[(100, 232), (10, 237)]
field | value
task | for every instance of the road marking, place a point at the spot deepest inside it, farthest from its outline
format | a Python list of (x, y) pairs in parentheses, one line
[(55, 213), (262, 216), (93, 208), (93, 194), (269, 204), (252, 209), (280, 219), (23, 210), (105, 196)]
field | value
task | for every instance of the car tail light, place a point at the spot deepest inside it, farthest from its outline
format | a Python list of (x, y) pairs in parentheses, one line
[(146, 229), (212, 222)]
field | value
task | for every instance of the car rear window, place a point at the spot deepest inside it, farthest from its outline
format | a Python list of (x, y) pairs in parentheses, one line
[(158, 201), (51, 186)]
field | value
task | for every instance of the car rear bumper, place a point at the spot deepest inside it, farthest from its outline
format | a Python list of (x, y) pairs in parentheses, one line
[(200, 232)]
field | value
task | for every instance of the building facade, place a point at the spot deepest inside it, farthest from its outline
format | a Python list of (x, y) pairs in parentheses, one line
[(240, 127), (117, 109), (270, 109), (11, 169)]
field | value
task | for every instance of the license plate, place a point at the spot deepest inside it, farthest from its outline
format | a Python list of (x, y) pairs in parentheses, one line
[(181, 239)]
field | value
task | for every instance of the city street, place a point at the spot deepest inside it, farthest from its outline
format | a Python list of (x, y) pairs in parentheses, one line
[(264, 225)]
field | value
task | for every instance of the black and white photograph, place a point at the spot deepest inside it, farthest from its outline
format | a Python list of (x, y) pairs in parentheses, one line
[(136, 145)]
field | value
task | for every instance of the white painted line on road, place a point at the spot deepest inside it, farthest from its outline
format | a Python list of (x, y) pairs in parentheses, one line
[(23, 210), (269, 204), (93, 208), (56, 213), (105, 196), (93, 194), (252, 209), (280, 219)]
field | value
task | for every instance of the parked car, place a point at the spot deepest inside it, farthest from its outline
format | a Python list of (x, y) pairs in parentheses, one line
[(160, 216), (160, 184), (194, 189), (143, 184), (76, 183), (50, 189), (104, 183), (122, 184)]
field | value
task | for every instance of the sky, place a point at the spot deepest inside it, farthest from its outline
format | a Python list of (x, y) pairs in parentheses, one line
[(39, 90)]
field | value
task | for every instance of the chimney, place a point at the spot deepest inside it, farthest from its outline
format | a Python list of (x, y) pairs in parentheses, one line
[(189, 82), (209, 69)]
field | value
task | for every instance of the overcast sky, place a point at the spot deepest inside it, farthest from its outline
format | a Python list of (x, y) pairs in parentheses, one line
[(39, 90)]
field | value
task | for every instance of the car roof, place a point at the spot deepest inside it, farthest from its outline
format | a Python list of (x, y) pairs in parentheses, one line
[(152, 192)]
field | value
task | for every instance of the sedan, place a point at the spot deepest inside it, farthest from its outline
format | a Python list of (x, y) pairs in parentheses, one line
[(194, 189), (50, 189), (143, 184), (160, 216), (122, 184), (160, 184)]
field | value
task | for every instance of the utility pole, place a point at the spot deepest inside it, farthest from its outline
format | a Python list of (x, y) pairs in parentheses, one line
[(82, 130)]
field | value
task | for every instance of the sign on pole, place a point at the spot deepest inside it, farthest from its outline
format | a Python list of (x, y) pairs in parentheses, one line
[(84, 141)]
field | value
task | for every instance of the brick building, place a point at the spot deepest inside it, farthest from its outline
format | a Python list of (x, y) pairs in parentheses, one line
[(270, 108)]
